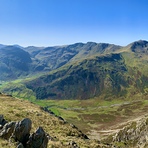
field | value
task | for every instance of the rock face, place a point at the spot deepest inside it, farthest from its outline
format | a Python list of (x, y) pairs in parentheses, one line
[(134, 134), (20, 132), (38, 139)]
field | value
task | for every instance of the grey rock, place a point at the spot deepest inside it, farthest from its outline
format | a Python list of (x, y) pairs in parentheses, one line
[(7, 130), (39, 139), (136, 132), (22, 131), (2, 120)]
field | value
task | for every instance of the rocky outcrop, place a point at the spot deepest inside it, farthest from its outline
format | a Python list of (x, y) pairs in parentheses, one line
[(39, 139), (134, 134), (20, 132)]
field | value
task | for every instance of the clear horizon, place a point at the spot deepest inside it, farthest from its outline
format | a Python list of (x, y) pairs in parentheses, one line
[(56, 22)]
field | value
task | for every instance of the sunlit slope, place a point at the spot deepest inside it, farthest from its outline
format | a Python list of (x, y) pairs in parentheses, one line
[(18, 62), (61, 132), (122, 73)]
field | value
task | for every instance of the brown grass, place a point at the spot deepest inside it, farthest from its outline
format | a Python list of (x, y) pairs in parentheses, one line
[(15, 109)]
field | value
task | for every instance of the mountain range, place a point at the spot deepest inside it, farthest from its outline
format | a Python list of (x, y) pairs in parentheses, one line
[(83, 91), (77, 71)]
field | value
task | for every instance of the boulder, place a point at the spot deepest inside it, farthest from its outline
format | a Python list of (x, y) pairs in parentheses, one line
[(7, 130), (39, 139), (22, 131)]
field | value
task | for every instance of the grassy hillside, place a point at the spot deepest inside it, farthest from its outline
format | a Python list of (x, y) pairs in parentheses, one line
[(116, 75), (98, 119), (62, 133), (82, 80)]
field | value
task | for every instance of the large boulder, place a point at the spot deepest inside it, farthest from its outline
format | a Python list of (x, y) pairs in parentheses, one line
[(39, 139), (7, 130), (22, 131)]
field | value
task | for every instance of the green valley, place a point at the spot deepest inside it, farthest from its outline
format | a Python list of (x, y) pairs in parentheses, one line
[(98, 87)]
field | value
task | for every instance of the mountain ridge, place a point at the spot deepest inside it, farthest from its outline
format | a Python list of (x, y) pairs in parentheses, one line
[(87, 70)]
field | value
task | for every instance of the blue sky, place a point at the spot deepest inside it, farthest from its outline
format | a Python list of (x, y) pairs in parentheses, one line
[(60, 22)]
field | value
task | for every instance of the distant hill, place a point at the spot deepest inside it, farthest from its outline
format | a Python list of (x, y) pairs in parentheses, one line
[(16, 61), (1, 46), (13, 62)]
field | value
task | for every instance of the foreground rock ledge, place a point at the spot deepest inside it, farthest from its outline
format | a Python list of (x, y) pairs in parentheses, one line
[(20, 132)]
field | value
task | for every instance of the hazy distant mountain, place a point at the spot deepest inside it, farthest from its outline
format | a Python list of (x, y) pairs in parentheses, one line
[(45, 59), (55, 57), (1, 46), (13, 62), (32, 50)]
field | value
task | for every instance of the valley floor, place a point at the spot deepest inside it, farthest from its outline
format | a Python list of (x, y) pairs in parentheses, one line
[(98, 118)]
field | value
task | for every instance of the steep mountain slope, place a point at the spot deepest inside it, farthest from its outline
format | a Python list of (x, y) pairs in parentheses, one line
[(122, 74), (62, 134), (85, 79), (41, 59), (55, 57), (82, 71), (13, 62), (128, 134)]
